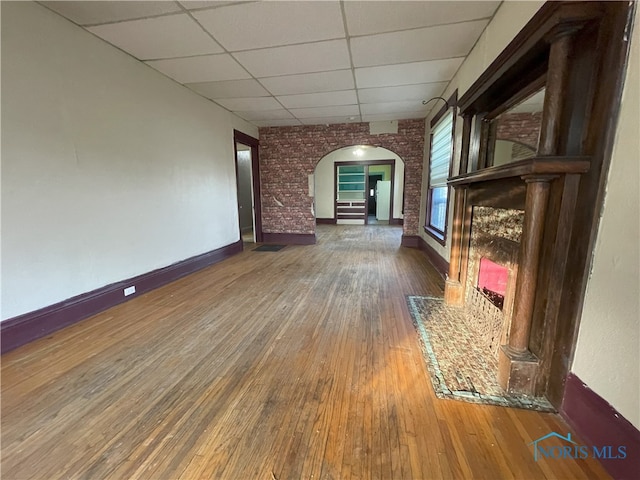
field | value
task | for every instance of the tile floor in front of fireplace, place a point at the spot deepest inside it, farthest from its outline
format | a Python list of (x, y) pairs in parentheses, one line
[(460, 368)]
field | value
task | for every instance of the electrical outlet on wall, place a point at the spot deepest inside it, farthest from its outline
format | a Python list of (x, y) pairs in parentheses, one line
[(129, 291)]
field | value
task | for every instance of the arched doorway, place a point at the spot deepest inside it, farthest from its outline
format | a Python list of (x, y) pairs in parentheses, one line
[(334, 205)]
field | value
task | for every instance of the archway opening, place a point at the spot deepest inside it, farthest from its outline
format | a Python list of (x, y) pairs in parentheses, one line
[(359, 184)]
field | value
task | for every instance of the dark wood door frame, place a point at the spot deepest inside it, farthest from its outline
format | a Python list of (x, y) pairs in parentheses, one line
[(253, 144), (367, 164)]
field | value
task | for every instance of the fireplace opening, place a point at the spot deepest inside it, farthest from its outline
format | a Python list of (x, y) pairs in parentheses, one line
[(492, 281)]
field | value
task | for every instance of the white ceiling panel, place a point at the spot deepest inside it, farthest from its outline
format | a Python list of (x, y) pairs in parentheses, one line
[(159, 37), (423, 91), (310, 82), (407, 73), (345, 97), (307, 58), (92, 13), (229, 89), (289, 62), (383, 117), (194, 4), (251, 25), (250, 103), (206, 68), (252, 115), (292, 122), (369, 17), (393, 107), (416, 45), (329, 120), (335, 111)]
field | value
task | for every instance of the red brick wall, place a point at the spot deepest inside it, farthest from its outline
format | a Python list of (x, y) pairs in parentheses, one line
[(289, 154), (520, 127)]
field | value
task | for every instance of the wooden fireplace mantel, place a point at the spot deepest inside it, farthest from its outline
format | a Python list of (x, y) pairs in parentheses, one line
[(541, 165), (531, 179), (577, 51)]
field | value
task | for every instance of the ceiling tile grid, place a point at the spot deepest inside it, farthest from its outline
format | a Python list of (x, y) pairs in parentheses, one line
[(278, 63)]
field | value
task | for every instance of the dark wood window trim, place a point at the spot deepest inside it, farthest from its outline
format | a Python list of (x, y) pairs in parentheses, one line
[(438, 235)]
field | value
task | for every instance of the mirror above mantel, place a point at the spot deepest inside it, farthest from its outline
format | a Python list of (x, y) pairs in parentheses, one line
[(515, 133)]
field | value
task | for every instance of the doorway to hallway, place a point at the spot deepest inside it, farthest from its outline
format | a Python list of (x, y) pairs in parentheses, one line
[(248, 187)]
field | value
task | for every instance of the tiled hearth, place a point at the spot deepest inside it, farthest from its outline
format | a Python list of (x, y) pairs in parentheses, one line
[(460, 367)]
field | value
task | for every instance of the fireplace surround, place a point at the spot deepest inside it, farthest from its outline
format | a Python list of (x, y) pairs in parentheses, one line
[(489, 291), (566, 49)]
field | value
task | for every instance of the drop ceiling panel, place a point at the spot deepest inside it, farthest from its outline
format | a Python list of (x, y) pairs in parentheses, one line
[(307, 58), (205, 68), (423, 91), (382, 117), (329, 120), (309, 82), (346, 97), (276, 62), (292, 122), (194, 4), (92, 13), (159, 37), (407, 73), (268, 24), (365, 18), (229, 89), (335, 111), (249, 103), (265, 114), (393, 107), (416, 45)]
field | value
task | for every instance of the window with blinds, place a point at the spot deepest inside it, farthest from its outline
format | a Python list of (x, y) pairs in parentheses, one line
[(439, 162)]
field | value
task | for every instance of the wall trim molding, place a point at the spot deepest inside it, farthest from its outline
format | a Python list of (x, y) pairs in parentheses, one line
[(289, 238), (396, 221), (410, 241), (25, 328), (441, 265), (325, 221), (599, 424)]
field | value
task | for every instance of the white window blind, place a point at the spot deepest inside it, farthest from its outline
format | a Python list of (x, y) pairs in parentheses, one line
[(441, 152)]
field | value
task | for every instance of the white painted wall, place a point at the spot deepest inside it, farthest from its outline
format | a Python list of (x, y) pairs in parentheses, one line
[(109, 169), (506, 23), (324, 181), (607, 356)]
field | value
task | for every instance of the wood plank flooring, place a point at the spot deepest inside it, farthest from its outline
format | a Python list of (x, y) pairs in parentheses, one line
[(296, 364)]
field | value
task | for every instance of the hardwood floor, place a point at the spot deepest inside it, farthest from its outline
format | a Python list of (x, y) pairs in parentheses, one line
[(297, 364)]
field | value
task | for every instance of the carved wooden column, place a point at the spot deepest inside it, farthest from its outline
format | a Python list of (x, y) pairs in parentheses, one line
[(454, 290), (517, 366), (555, 91)]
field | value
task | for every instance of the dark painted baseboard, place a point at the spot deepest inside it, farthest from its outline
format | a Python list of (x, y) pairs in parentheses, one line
[(325, 221), (332, 221), (411, 241), (442, 266), (289, 238), (30, 326), (599, 424)]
